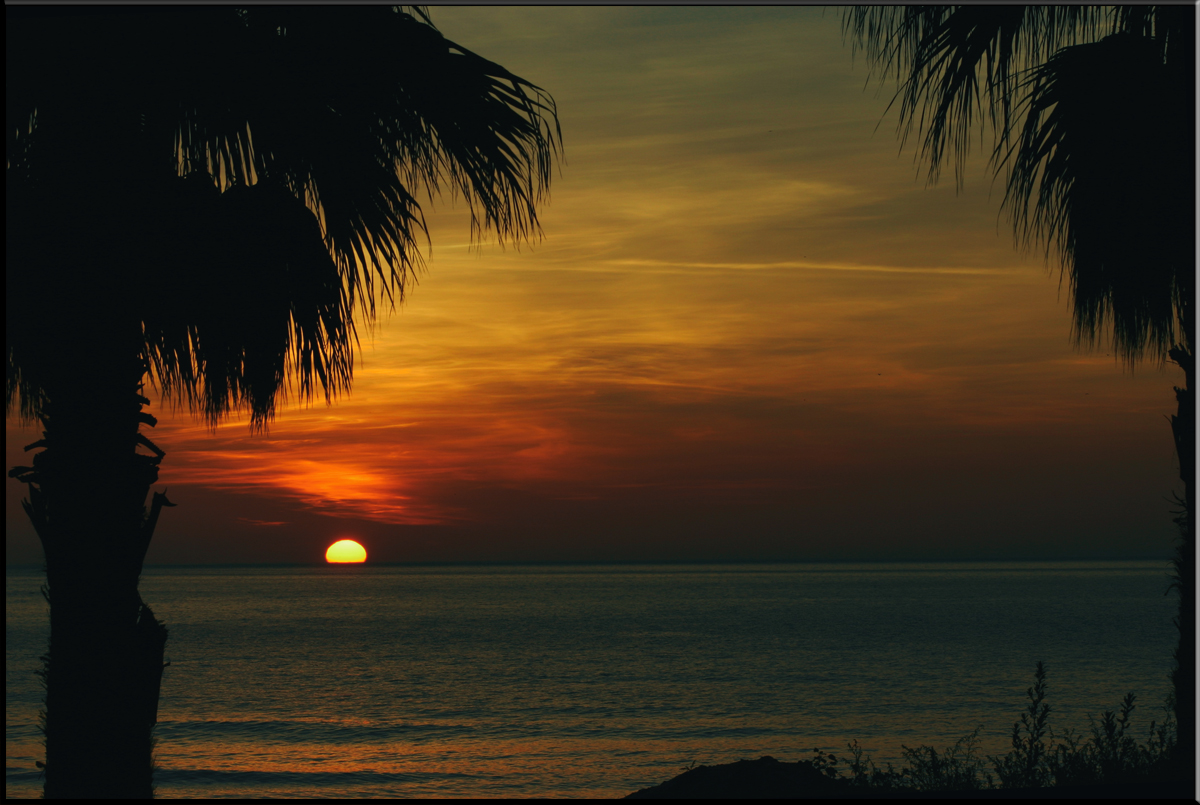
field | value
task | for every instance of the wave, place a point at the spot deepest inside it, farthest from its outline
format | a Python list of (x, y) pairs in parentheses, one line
[(315, 732), (285, 731), (291, 779)]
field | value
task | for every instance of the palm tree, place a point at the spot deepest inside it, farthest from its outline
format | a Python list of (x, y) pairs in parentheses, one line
[(206, 199), (1092, 111)]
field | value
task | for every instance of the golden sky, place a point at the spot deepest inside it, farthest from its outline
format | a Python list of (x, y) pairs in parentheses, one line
[(750, 332)]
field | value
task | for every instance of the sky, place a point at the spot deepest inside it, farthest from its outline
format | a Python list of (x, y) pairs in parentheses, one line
[(750, 332)]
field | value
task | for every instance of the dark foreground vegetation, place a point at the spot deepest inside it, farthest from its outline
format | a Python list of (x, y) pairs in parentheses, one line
[(1108, 763)]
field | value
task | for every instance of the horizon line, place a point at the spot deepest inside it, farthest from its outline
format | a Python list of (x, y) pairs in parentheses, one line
[(636, 562)]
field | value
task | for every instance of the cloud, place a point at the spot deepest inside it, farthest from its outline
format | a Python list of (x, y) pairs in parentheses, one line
[(804, 266)]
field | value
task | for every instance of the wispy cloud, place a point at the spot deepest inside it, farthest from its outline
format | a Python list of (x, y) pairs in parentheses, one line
[(805, 266)]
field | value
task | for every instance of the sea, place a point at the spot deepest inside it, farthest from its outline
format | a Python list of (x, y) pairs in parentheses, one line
[(598, 680)]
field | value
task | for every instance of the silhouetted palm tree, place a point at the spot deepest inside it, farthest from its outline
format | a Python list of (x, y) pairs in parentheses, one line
[(205, 198), (1092, 109)]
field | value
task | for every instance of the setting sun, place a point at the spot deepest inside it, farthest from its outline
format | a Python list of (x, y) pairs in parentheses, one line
[(344, 551)]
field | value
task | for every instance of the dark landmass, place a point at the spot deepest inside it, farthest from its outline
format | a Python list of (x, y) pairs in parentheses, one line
[(768, 778)]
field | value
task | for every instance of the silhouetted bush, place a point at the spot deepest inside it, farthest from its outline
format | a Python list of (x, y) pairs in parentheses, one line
[(1039, 757), (1109, 762)]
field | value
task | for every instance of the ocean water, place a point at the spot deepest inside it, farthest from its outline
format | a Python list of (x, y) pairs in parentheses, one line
[(573, 681)]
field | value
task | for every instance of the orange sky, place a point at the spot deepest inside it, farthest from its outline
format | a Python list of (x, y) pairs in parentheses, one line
[(750, 332)]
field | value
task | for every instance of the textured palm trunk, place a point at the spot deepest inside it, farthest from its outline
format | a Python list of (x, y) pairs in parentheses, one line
[(87, 501), (1183, 426)]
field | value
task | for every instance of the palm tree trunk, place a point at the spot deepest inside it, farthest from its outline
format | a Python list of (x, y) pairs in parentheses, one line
[(87, 500), (1183, 426)]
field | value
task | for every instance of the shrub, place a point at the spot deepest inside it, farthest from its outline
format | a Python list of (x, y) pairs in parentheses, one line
[(1038, 758), (955, 769), (1025, 766)]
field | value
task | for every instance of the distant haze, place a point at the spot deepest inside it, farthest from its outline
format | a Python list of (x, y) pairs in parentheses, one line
[(750, 333)]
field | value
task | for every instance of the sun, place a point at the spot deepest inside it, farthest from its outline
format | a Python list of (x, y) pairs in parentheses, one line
[(344, 551)]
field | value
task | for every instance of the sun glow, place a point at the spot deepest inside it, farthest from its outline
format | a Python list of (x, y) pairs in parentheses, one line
[(344, 551)]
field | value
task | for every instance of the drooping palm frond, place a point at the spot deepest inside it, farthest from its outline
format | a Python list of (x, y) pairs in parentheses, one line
[(358, 112), (958, 66), (224, 337), (1091, 110), (165, 144), (1103, 175)]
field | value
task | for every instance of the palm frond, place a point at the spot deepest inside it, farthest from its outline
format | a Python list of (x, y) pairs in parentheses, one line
[(356, 118), (226, 337), (239, 184), (1091, 112), (958, 65), (1103, 174)]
